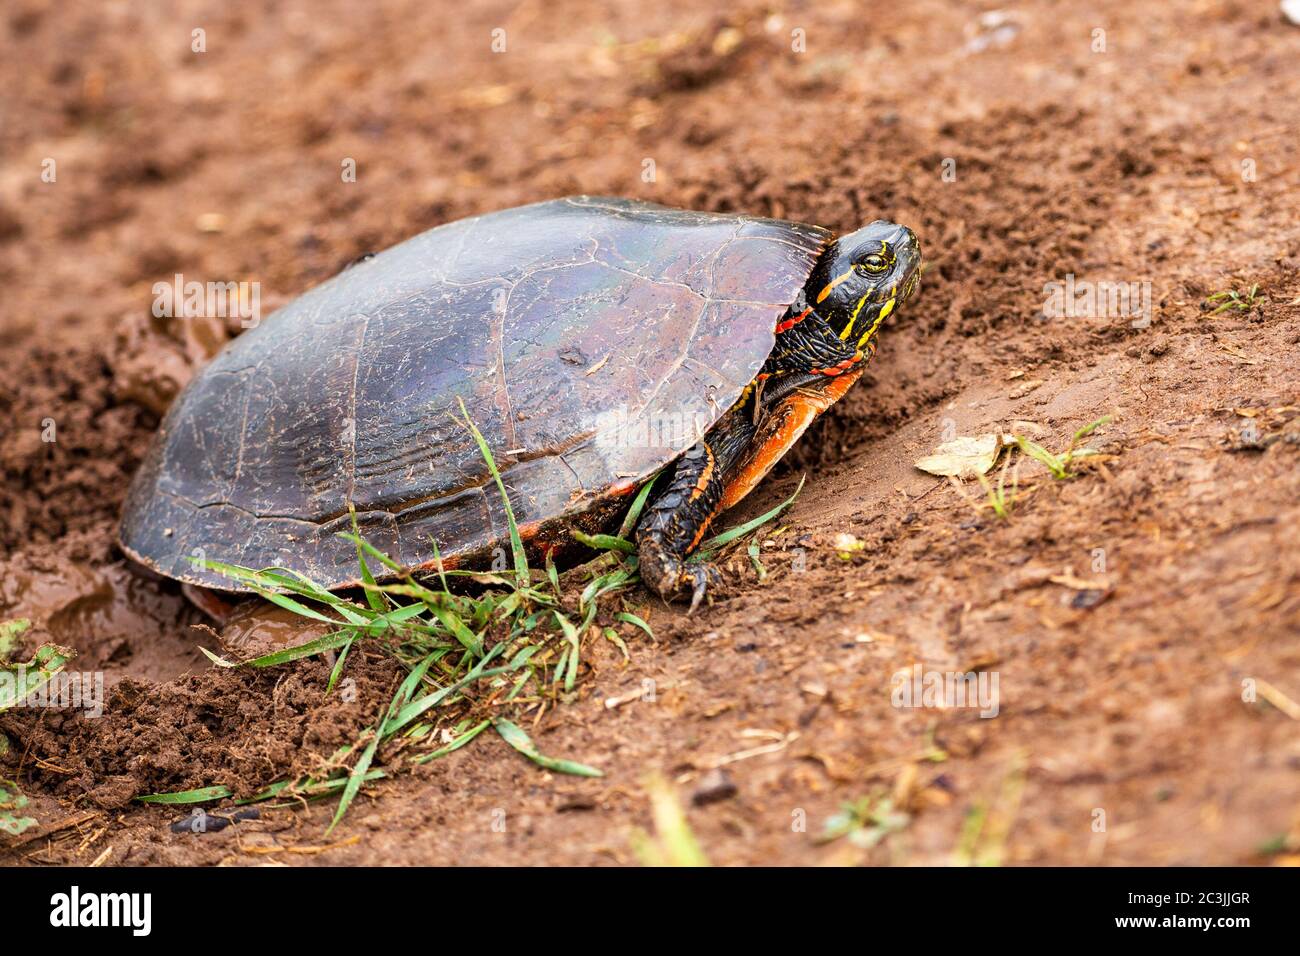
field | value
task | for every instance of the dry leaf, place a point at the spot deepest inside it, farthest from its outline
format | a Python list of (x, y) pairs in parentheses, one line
[(846, 544), (1024, 388), (964, 457), (1079, 584)]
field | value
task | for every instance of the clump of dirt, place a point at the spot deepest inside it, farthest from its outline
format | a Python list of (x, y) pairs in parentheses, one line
[(70, 450), (243, 728), (700, 60), (154, 357), (117, 620)]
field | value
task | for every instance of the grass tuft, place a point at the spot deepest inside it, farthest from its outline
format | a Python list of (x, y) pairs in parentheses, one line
[(997, 496), (1059, 465), (1232, 299), (513, 648)]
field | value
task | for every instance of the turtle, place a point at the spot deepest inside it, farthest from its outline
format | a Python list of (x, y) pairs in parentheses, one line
[(596, 343)]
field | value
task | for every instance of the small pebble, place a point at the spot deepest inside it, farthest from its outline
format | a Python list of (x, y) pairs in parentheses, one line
[(200, 821), (210, 222), (1087, 599), (714, 786)]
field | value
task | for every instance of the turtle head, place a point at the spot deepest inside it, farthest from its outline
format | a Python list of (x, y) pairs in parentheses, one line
[(862, 277)]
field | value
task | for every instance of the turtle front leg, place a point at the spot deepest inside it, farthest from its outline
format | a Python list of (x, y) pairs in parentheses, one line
[(675, 522), (810, 368)]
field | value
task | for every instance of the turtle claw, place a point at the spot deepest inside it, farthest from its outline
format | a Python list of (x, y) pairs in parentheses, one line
[(699, 580), (697, 592), (671, 576), (674, 580)]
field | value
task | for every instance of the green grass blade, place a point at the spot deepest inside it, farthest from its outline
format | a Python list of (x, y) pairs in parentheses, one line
[(603, 585), (571, 635), (269, 583), (515, 736), (217, 659), (453, 623), (604, 542), (552, 575), (613, 637), (306, 788), (1091, 427), (635, 621), (310, 649), (401, 615), (415, 708), (455, 745), (289, 604), (676, 844), (337, 670), (373, 598), (201, 795), (638, 505), (516, 542), (45, 663), (437, 563), (355, 537), (291, 581), (560, 663), (1042, 455), (357, 777), (713, 544)]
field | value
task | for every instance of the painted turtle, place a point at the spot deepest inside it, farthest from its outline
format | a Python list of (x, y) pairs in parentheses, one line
[(593, 342)]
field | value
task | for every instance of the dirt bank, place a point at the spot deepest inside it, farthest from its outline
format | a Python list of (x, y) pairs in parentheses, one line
[(1125, 612)]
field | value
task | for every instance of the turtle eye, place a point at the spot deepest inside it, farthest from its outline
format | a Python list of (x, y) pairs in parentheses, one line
[(875, 264)]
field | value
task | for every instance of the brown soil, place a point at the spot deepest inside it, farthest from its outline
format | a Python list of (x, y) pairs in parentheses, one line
[(1121, 686)]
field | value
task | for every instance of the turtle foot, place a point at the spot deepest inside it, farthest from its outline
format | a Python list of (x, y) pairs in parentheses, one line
[(673, 578)]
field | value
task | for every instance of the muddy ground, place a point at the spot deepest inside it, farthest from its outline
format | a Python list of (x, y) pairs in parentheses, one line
[(1141, 618)]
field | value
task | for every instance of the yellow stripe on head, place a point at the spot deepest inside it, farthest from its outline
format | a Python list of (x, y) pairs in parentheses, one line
[(875, 326), (854, 317), (832, 284)]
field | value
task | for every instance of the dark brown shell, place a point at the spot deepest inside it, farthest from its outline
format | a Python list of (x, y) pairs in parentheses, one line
[(549, 321)]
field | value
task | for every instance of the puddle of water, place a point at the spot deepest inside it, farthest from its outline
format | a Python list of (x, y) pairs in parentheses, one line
[(117, 621), (259, 628)]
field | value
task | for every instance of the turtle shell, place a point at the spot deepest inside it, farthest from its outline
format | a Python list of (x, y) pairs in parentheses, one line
[(591, 341)]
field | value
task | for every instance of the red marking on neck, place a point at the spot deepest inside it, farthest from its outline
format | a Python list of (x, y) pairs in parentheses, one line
[(791, 323), (837, 369)]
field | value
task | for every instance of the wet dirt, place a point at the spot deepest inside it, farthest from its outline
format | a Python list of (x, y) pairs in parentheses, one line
[(257, 628), (1141, 618)]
